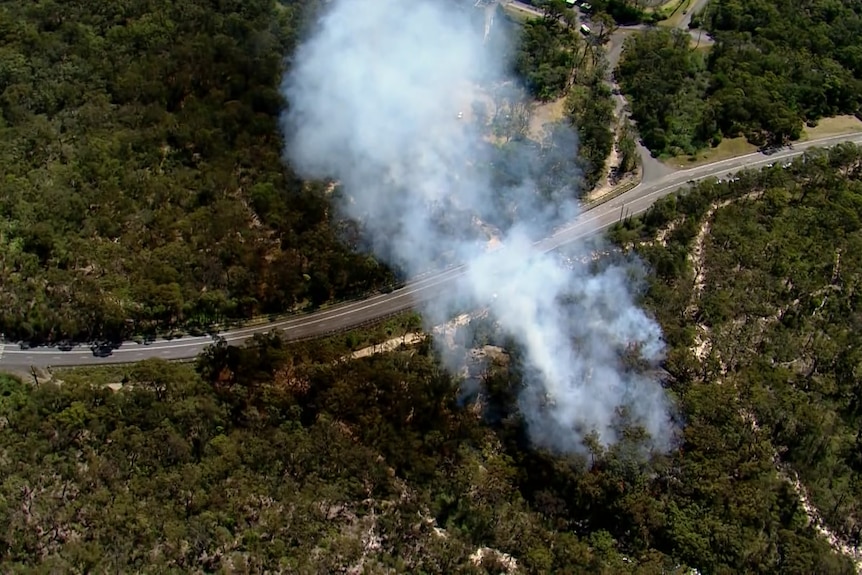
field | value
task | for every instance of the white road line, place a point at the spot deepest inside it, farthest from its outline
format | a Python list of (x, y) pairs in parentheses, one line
[(581, 227), (556, 240)]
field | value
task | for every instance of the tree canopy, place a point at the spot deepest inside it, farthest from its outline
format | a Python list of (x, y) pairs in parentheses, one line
[(293, 457), (554, 61), (143, 182), (774, 66), (757, 288)]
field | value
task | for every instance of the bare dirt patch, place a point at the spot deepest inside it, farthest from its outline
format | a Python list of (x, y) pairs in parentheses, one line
[(504, 559), (697, 258), (838, 544), (445, 331), (665, 232), (405, 340)]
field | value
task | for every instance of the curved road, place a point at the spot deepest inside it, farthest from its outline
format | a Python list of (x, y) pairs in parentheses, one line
[(348, 315)]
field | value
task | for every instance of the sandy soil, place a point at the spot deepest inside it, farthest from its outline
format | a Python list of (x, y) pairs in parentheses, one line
[(446, 331)]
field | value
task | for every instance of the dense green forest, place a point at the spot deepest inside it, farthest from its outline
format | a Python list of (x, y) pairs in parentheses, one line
[(285, 456), (145, 188), (143, 182), (555, 61), (780, 333), (666, 81), (774, 66), (275, 457)]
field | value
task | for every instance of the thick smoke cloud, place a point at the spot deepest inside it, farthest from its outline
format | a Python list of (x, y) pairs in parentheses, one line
[(374, 100)]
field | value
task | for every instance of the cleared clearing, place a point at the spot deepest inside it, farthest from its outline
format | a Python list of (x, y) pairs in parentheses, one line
[(832, 127), (669, 6), (543, 114), (675, 10), (731, 147), (517, 13), (728, 148)]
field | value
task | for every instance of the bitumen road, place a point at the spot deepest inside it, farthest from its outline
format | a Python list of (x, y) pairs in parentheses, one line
[(347, 315), (695, 7)]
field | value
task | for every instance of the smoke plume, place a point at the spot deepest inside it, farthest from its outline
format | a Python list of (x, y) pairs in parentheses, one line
[(384, 96)]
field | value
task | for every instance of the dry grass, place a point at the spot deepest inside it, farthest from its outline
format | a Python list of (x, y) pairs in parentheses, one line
[(517, 14), (832, 127), (673, 20), (669, 6), (545, 113), (728, 148), (732, 147), (673, 11), (95, 375)]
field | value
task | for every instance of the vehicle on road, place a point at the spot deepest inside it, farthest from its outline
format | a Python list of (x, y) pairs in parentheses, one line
[(102, 349), (411, 293), (102, 352)]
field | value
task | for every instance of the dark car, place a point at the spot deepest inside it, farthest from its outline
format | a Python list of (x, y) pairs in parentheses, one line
[(65, 346), (102, 348), (103, 351)]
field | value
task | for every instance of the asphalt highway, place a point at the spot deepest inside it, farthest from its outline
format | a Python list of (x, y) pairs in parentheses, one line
[(348, 315)]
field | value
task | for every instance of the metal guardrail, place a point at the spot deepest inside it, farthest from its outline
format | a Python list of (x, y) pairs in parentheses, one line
[(614, 193)]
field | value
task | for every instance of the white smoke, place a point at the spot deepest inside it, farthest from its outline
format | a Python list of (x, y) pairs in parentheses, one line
[(374, 98)]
